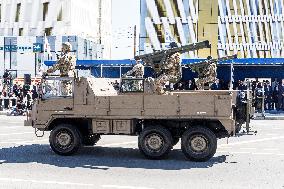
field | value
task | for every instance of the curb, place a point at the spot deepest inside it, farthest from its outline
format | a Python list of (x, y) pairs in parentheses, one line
[(269, 118)]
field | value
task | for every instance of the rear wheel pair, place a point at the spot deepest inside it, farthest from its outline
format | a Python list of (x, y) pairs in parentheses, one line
[(197, 143)]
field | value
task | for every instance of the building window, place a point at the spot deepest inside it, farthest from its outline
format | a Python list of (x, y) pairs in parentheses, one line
[(18, 12), (45, 10), (59, 17), (21, 30), (48, 31)]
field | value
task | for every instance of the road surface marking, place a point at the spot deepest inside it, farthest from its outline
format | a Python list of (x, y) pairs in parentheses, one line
[(251, 141), (118, 144), (44, 182), (8, 134), (11, 127), (272, 134), (225, 147), (124, 187), (270, 149), (248, 148), (23, 142), (261, 153), (254, 153)]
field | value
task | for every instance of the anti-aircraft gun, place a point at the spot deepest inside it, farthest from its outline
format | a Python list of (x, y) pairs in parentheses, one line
[(158, 59), (166, 64)]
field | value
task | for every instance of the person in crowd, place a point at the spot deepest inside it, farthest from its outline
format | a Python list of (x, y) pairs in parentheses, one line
[(281, 96), (268, 96), (258, 97), (116, 85), (242, 86), (216, 85), (179, 86), (190, 85)]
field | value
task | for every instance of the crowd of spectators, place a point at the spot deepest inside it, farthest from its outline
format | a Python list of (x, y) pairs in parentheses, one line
[(16, 97), (267, 95)]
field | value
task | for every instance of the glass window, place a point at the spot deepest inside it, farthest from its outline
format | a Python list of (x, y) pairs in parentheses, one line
[(45, 10), (18, 12), (57, 87)]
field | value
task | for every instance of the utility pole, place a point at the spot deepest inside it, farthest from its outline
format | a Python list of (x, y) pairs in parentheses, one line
[(134, 38), (10, 51)]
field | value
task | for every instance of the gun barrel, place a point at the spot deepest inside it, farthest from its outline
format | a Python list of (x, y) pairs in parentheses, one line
[(159, 54), (212, 61)]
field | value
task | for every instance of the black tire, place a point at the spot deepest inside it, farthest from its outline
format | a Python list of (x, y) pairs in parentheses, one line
[(91, 140), (175, 140), (204, 139), (155, 136), (60, 134)]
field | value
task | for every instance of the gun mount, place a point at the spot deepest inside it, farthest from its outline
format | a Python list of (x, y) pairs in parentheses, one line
[(158, 60), (207, 70)]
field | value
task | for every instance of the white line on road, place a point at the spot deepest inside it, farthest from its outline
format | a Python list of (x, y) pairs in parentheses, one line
[(12, 127), (262, 153), (248, 148), (44, 182), (118, 144), (124, 187), (251, 141), (270, 149), (24, 142), (255, 153), (8, 134)]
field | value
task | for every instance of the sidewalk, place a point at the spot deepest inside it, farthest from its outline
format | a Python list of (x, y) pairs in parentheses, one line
[(270, 115), (4, 112)]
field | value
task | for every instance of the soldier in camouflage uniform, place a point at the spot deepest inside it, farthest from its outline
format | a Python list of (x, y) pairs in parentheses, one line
[(65, 63), (207, 73), (137, 71), (66, 66), (172, 71)]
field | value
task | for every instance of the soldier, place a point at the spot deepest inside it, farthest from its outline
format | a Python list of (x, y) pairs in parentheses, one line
[(172, 71), (137, 71), (66, 66), (206, 73), (65, 63)]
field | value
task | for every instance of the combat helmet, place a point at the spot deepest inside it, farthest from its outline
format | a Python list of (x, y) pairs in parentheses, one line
[(67, 46)]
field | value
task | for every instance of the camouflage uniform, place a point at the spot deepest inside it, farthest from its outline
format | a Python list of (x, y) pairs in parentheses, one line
[(65, 63), (172, 72), (66, 66), (137, 71), (207, 75)]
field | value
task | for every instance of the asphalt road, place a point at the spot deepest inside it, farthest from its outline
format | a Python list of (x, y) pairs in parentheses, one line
[(247, 161)]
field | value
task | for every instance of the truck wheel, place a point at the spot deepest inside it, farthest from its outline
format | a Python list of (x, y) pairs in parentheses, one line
[(91, 140), (199, 143), (65, 139), (155, 142)]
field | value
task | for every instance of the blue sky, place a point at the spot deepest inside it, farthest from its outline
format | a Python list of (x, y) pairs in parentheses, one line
[(125, 15)]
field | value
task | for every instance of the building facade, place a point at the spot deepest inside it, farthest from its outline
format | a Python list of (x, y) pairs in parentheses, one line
[(249, 28), (89, 19), (21, 56)]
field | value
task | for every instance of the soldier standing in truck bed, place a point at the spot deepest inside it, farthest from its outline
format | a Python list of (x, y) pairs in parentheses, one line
[(66, 66), (171, 71), (65, 63)]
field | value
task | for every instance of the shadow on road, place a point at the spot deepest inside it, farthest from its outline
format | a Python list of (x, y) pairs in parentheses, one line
[(101, 158)]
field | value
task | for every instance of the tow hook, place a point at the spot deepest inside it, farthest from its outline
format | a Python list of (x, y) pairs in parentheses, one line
[(37, 131)]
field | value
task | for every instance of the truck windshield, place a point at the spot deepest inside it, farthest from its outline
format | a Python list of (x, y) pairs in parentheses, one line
[(57, 87)]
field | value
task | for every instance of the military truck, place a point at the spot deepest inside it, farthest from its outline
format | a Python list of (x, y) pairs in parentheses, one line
[(92, 108), (78, 111)]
